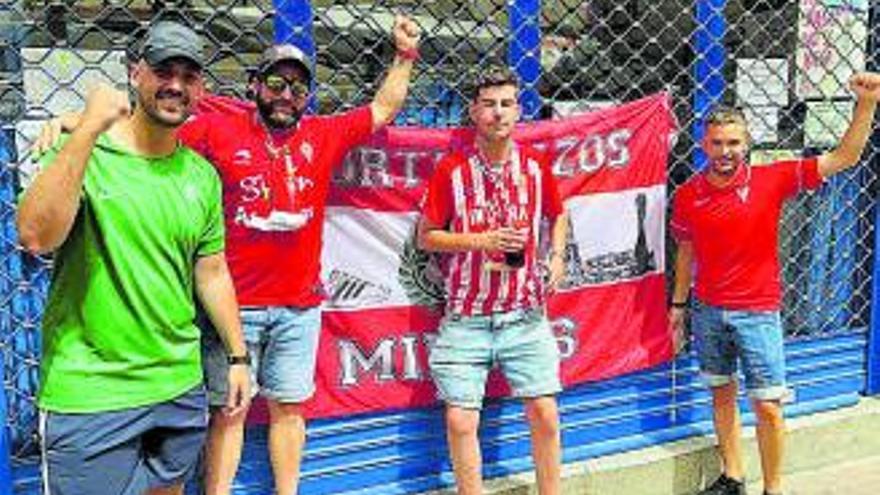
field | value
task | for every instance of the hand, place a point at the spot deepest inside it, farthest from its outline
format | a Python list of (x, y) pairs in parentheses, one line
[(49, 134), (866, 85), (504, 239), (104, 106), (556, 269), (676, 326), (406, 33), (238, 397)]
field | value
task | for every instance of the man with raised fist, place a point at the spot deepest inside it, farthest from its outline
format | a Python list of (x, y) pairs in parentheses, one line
[(135, 222)]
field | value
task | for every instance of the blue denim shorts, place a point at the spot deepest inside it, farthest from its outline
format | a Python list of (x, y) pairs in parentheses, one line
[(467, 347), (283, 343), (754, 338), (124, 452)]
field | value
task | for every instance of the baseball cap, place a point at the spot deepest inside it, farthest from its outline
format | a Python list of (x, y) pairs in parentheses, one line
[(168, 39), (284, 53)]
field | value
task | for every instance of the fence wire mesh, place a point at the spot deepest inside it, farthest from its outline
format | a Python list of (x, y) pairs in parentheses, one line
[(786, 65)]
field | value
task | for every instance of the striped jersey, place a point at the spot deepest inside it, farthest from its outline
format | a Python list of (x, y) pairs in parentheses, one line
[(468, 195)]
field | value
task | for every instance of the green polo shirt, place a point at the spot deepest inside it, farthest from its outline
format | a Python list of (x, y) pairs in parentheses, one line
[(118, 327)]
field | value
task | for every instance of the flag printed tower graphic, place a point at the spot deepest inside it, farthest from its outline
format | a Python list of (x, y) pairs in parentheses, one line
[(615, 266), (645, 260), (574, 268)]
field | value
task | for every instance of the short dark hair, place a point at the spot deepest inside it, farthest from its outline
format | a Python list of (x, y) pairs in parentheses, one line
[(493, 75)]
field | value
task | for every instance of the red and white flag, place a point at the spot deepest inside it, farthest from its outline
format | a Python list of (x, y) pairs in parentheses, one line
[(385, 296)]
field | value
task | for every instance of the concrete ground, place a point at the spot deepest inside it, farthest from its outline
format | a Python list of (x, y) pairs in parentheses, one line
[(832, 453), (857, 477)]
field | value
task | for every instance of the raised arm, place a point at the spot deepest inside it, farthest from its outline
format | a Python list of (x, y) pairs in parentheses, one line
[(392, 93), (48, 208), (866, 86)]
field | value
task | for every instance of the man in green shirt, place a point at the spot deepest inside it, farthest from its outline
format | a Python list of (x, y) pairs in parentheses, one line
[(135, 222)]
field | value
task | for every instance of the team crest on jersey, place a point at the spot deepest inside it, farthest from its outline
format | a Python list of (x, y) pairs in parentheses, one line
[(308, 152), (242, 157)]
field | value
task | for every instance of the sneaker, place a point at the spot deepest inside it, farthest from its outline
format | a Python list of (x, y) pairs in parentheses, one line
[(725, 485)]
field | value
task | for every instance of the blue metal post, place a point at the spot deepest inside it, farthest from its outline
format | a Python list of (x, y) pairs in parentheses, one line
[(873, 383), (9, 62), (709, 70), (7, 152), (294, 24), (524, 52)]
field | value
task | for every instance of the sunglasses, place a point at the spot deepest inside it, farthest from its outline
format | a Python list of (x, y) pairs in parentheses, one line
[(277, 84)]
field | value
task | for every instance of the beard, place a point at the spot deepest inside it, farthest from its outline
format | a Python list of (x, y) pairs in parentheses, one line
[(277, 120), (162, 118)]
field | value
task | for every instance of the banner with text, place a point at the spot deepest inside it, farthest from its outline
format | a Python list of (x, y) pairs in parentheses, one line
[(385, 297)]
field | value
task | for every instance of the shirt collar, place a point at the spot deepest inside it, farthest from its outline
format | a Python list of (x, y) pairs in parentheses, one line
[(484, 162)]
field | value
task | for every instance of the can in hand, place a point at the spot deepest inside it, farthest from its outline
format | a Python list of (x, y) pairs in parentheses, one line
[(515, 259)]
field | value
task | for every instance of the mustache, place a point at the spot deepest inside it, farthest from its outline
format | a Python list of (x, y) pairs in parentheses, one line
[(171, 93), (279, 103)]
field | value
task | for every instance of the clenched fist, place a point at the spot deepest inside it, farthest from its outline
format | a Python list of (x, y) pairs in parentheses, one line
[(866, 85), (104, 106), (406, 33)]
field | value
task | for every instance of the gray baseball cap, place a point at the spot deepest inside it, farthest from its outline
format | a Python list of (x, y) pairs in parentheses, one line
[(167, 39), (284, 53)]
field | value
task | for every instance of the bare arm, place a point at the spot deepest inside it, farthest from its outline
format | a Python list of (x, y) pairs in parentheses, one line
[(392, 93), (556, 263), (866, 85), (436, 238), (217, 294), (684, 263), (48, 208)]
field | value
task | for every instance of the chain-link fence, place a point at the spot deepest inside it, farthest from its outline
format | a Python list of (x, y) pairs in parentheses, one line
[(784, 62)]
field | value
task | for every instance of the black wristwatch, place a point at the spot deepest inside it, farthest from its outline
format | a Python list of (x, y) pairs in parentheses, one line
[(232, 360), (679, 305)]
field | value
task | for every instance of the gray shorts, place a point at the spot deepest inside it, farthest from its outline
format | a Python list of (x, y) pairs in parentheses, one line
[(123, 452), (283, 344)]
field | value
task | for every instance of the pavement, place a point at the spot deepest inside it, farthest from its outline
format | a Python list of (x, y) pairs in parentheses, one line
[(856, 477)]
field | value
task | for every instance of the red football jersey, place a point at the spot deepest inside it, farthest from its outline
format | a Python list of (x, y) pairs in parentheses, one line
[(274, 194), (735, 229), (467, 195)]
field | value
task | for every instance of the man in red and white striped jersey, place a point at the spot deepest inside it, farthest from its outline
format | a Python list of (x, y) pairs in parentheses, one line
[(483, 210)]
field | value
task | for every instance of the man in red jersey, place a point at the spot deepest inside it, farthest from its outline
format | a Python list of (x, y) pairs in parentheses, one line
[(483, 210), (276, 166), (726, 222)]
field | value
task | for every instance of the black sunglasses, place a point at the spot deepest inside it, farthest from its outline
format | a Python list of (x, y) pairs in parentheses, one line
[(277, 84)]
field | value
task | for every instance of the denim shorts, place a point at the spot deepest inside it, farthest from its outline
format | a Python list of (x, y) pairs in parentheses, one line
[(520, 342), (283, 343), (754, 338), (123, 452)]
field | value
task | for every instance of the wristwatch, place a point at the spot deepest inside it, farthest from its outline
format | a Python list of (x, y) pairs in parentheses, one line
[(233, 360)]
